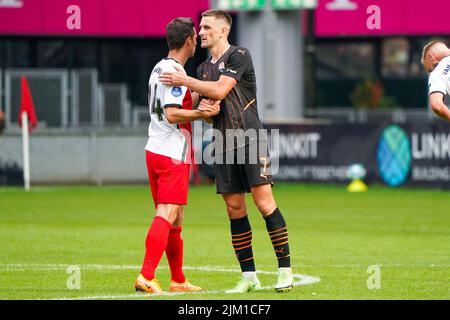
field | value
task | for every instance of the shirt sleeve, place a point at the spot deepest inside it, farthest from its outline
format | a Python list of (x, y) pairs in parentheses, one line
[(437, 83), (173, 96), (237, 63)]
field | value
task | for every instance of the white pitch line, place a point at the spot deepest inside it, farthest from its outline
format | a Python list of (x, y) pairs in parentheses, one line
[(301, 279), (52, 267)]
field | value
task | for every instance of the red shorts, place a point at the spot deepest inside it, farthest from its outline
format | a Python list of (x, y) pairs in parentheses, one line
[(169, 179)]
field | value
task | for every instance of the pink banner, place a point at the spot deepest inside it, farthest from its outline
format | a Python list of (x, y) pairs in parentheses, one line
[(25, 17), (96, 17), (396, 17), (149, 17)]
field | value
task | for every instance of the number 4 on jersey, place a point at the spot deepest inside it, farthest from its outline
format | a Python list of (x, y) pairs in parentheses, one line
[(156, 107)]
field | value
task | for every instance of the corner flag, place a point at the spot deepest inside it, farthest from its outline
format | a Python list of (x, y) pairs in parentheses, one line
[(27, 105), (28, 121)]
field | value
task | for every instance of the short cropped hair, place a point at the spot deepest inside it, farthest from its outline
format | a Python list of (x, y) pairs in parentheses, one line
[(218, 14), (425, 52), (177, 31)]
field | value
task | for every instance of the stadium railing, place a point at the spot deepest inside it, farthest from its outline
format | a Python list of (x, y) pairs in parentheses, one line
[(76, 99), (84, 98), (140, 116), (114, 106), (67, 99), (50, 91)]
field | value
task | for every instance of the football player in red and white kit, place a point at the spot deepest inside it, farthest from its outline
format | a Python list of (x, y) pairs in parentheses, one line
[(168, 155)]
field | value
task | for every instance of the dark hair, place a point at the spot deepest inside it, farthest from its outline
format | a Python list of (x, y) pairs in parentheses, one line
[(177, 31), (218, 14)]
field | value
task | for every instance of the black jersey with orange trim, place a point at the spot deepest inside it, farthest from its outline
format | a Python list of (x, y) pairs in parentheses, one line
[(238, 110)]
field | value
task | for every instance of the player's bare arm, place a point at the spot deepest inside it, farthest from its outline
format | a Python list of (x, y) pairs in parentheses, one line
[(205, 110), (438, 106), (216, 90)]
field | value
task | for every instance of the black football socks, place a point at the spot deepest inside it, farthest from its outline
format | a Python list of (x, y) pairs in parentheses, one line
[(241, 236), (276, 226)]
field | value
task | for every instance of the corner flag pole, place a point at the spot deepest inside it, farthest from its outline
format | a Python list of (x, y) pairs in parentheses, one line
[(26, 150), (28, 120)]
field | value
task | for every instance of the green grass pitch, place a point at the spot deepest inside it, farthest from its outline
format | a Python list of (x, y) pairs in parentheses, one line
[(334, 237)]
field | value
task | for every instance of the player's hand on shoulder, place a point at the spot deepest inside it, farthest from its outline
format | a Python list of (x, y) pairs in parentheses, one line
[(177, 77)]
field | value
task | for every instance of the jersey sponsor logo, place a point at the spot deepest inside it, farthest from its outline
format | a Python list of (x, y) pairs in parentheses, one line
[(231, 71), (242, 51), (176, 91), (221, 66)]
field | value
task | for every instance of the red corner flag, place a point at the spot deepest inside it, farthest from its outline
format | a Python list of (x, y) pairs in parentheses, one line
[(27, 105)]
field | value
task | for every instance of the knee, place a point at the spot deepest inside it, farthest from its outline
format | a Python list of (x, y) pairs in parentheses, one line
[(172, 217), (265, 206), (179, 219), (169, 214), (235, 210)]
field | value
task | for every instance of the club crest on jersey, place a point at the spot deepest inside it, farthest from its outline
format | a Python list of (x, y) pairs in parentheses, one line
[(221, 66), (176, 91)]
